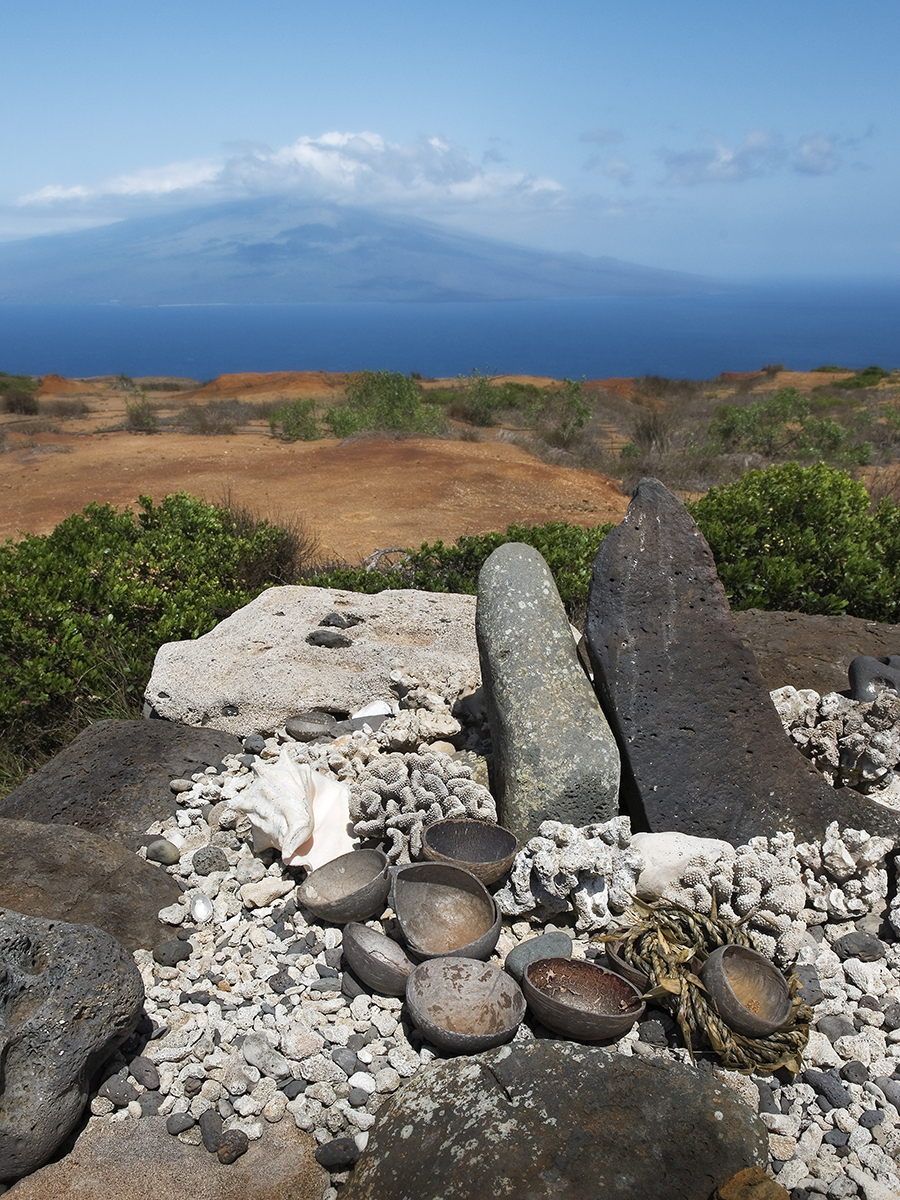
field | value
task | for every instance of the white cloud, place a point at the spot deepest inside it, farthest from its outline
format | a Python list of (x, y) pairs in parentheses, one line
[(760, 152), (816, 154), (431, 176)]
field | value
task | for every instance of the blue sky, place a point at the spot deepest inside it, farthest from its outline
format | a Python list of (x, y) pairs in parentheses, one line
[(730, 139)]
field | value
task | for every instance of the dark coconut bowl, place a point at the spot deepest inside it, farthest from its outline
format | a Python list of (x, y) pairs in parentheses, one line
[(486, 850), (463, 1005), (378, 960), (750, 994), (619, 966), (579, 999), (444, 910), (353, 887)]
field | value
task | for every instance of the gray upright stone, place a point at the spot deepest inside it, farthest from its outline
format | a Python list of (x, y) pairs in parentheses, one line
[(69, 995), (703, 749), (555, 757)]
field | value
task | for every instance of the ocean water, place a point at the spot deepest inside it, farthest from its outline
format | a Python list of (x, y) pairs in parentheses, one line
[(740, 329)]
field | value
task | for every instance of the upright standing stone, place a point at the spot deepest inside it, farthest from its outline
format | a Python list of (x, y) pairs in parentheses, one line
[(703, 749), (555, 758)]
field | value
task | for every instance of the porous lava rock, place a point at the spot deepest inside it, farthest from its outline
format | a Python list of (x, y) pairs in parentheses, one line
[(69, 995), (706, 753), (555, 758), (256, 669), (66, 874), (558, 1120), (139, 1160), (113, 779)]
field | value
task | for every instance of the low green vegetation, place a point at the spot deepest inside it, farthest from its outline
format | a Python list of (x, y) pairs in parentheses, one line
[(558, 414), (84, 609), (383, 401), (295, 421), (804, 539)]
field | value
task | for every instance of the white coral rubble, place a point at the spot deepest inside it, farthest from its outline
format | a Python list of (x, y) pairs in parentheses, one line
[(396, 795), (853, 744)]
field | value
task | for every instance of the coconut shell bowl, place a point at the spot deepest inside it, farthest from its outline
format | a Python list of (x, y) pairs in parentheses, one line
[(352, 887), (463, 1005), (444, 910), (484, 849), (580, 1000), (750, 994), (377, 960)]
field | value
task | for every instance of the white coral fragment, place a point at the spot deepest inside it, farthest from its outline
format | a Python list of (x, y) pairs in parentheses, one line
[(296, 810), (587, 869)]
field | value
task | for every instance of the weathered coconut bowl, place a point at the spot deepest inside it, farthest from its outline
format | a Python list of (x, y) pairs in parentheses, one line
[(445, 910), (750, 994), (463, 1005), (484, 849), (579, 999), (378, 960), (618, 965), (353, 887)]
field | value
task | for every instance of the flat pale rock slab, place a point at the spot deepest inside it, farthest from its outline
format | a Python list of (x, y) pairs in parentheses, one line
[(114, 778), (809, 650), (554, 755), (139, 1160), (256, 669), (63, 873), (70, 994), (705, 750), (560, 1121)]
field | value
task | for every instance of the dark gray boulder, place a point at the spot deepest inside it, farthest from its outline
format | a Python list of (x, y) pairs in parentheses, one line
[(703, 750), (810, 650), (555, 757), (69, 995), (561, 1120), (62, 873), (114, 778)]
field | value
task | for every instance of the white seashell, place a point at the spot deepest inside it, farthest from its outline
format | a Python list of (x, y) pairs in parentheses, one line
[(201, 907), (298, 811), (375, 708)]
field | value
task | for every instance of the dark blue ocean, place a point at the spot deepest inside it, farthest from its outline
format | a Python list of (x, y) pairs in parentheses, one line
[(803, 325)]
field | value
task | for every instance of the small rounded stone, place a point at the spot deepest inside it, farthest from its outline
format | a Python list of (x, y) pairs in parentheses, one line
[(167, 954), (861, 945), (255, 743), (207, 859), (181, 785), (233, 1144), (118, 1090), (345, 1059), (871, 1118), (145, 1072), (179, 1122), (211, 1130), (854, 1072), (339, 1153), (192, 1085), (163, 851), (307, 726)]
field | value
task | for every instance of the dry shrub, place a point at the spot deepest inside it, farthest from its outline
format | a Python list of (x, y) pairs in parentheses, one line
[(291, 555), (56, 406)]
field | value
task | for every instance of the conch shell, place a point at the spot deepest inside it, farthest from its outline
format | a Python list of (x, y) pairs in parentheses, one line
[(298, 811)]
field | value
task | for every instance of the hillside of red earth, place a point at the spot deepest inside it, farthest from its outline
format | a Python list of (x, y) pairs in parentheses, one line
[(355, 496)]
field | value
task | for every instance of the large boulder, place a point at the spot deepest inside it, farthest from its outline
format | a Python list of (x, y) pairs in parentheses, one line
[(298, 648), (703, 749), (812, 651), (139, 1160), (114, 778), (69, 995), (68, 874), (555, 758), (561, 1120)]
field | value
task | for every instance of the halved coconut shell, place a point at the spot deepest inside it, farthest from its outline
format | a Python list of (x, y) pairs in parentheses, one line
[(463, 1005)]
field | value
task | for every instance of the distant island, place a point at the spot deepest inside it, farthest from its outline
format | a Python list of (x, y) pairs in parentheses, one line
[(274, 251)]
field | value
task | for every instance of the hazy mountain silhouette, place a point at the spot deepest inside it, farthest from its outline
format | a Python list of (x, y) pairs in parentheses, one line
[(275, 251)]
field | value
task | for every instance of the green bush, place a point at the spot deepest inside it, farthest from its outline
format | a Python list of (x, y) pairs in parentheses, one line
[(383, 401), (803, 539), (18, 383), (140, 417), (867, 378), (295, 421), (783, 427), (84, 609), (570, 551)]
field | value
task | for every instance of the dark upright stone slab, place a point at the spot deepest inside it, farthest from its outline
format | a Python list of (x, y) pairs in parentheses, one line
[(702, 747)]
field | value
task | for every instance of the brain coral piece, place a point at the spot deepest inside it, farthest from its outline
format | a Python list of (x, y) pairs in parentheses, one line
[(566, 868), (395, 796)]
